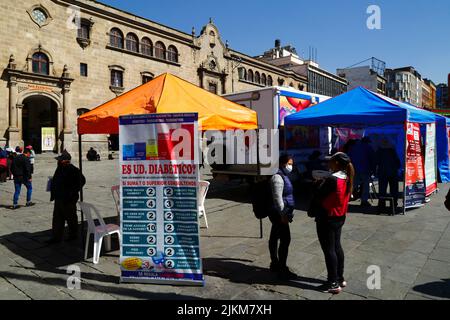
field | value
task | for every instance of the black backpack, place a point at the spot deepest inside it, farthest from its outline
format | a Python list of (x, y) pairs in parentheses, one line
[(262, 198)]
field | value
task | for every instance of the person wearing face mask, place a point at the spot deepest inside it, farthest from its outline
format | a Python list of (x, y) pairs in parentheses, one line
[(65, 187), (332, 198), (280, 217)]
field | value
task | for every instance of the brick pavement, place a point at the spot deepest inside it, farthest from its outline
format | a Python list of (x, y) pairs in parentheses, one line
[(413, 251)]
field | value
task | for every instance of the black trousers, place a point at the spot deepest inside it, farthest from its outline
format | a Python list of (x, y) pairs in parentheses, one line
[(329, 233), (64, 211), (282, 233), (392, 181)]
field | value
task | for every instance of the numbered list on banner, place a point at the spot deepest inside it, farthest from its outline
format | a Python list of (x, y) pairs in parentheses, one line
[(159, 210)]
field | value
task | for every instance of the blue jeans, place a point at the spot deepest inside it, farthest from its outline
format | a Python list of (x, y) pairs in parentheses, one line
[(18, 188)]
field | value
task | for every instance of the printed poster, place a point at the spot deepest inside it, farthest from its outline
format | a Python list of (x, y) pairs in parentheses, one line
[(430, 159), (48, 139), (159, 211), (415, 177)]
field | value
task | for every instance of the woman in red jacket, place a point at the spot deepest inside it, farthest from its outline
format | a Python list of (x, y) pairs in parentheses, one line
[(332, 199)]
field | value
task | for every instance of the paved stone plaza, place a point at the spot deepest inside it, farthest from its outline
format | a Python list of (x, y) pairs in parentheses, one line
[(412, 251)]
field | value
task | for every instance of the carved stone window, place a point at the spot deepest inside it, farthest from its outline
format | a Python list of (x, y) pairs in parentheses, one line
[(146, 47), (40, 15), (117, 83), (160, 50), (132, 42), (84, 32)]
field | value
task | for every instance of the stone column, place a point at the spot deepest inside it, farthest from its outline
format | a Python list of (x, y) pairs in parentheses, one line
[(67, 128), (13, 130), (19, 108)]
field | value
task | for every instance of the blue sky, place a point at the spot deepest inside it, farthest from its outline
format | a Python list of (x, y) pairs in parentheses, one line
[(413, 32)]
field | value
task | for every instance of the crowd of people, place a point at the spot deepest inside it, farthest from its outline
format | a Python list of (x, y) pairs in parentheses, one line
[(18, 165)]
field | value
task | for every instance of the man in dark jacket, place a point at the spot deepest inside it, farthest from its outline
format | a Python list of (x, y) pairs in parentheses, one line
[(65, 187), (21, 170)]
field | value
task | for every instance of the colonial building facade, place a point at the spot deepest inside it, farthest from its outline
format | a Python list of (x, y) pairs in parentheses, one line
[(60, 58)]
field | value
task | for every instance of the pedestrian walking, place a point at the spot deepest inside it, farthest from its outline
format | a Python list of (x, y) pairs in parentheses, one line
[(21, 170), (65, 187), (280, 217), (329, 207)]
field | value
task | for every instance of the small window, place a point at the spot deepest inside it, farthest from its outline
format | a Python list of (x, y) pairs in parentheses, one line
[(132, 43), (172, 54), (212, 87), (269, 81), (160, 50), (146, 78), (116, 38), (257, 77), (82, 111), (84, 31), (83, 69), (242, 73), (263, 80), (250, 76), (40, 63), (39, 16), (146, 47), (117, 78)]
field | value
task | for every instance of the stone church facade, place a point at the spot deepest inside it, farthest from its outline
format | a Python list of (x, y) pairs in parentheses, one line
[(60, 58)]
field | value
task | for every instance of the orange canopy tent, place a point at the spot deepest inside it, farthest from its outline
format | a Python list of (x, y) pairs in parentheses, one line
[(168, 94), (165, 94)]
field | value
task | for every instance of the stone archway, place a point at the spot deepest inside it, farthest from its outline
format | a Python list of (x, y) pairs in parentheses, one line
[(37, 89), (39, 113)]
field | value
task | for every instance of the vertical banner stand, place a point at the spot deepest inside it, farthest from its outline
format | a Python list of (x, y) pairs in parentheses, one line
[(405, 166)]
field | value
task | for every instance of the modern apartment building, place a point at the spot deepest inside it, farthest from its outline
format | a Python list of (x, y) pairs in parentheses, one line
[(405, 84)]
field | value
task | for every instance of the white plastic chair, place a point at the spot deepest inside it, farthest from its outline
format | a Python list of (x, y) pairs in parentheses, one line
[(99, 231), (203, 187), (115, 191)]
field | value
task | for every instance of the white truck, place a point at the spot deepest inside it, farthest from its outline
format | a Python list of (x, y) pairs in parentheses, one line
[(272, 105)]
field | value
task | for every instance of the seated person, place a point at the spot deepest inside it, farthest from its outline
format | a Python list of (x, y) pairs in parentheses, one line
[(92, 155)]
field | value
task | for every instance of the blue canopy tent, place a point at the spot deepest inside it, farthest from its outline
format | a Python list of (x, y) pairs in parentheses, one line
[(361, 108)]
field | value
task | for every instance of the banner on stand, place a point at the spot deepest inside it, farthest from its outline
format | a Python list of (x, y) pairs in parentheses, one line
[(414, 176), (159, 211), (430, 159)]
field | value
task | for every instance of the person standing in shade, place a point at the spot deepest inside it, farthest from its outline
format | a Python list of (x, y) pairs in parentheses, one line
[(363, 158), (388, 164), (65, 187), (21, 170), (331, 201), (280, 217)]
